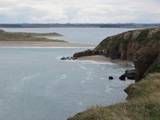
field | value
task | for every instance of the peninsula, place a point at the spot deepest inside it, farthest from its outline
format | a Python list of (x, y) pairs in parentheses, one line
[(23, 39)]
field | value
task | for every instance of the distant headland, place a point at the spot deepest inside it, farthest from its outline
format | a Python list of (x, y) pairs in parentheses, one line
[(81, 25)]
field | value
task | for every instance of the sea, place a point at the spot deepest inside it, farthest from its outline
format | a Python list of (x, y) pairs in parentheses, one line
[(36, 85)]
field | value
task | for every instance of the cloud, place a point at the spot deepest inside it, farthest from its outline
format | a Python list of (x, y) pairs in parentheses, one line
[(105, 11)]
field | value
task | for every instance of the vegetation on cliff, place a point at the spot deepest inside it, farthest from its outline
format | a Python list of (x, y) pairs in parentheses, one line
[(143, 103), (141, 47)]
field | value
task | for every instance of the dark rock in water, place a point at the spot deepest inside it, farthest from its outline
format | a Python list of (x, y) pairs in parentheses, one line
[(88, 53), (63, 58), (131, 74), (122, 77), (66, 58), (111, 78)]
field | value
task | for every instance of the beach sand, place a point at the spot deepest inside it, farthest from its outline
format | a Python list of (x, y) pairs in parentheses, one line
[(42, 44), (100, 58)]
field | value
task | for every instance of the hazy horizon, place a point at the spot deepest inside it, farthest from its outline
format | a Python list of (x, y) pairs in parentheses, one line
[(78, 23), (76, 11)]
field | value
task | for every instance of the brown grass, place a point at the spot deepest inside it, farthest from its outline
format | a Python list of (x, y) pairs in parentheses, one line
[(143, 104)]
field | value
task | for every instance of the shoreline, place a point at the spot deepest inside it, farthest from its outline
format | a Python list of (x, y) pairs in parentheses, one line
[(37, 40), (41, 44), (103, 59)]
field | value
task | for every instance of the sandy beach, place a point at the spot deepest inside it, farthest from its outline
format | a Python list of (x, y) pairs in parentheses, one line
[(100, 58), (42, 44)]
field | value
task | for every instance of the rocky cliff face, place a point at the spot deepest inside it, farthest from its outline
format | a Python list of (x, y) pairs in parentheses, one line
[(140, 46), (143, 48)]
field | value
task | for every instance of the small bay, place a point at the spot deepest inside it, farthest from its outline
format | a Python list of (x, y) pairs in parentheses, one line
[(36, 85)]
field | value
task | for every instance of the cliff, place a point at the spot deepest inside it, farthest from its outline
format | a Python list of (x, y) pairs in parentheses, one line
[(140, 46)]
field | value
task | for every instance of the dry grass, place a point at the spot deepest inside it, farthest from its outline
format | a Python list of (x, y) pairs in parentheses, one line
[(143, 104)]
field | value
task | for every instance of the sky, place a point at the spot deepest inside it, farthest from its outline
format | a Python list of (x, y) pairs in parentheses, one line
[(79, 11)]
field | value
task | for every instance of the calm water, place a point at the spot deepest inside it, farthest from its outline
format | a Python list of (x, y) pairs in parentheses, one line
[(78, 35), (36, 85)]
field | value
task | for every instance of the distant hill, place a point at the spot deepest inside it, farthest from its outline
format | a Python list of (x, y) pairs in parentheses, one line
[(84, 25), (20, 36)]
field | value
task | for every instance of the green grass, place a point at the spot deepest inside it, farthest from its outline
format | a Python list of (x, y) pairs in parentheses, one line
[(143, 104), (155, 68), (142, 36), (157, 36)]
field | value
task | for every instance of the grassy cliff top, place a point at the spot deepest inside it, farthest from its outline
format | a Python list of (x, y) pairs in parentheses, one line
[(143, 103), (140, 36), (142, 46)]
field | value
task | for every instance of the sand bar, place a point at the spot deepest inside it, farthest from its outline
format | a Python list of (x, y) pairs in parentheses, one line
[(42, 44)]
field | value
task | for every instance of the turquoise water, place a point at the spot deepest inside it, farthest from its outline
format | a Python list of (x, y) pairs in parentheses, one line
[(36, 85)]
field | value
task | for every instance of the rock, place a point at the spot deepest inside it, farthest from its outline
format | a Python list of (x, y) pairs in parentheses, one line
[(122, 77), (66, 58), (88, 53), (130, 74), (111, 78), (139, 46), (63, 58), (144, 59)]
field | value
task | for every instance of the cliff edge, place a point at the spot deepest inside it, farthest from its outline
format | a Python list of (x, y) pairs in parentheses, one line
[(141, 46), (143, 102)]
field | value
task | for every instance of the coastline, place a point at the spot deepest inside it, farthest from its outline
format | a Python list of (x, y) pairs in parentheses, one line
[(100, 58), (22, 39), (132, 91), (42, 44), (143, 101)]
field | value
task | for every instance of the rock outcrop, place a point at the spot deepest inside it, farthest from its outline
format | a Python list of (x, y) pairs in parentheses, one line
[(88, 53), (140, 46), (129, 74)]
